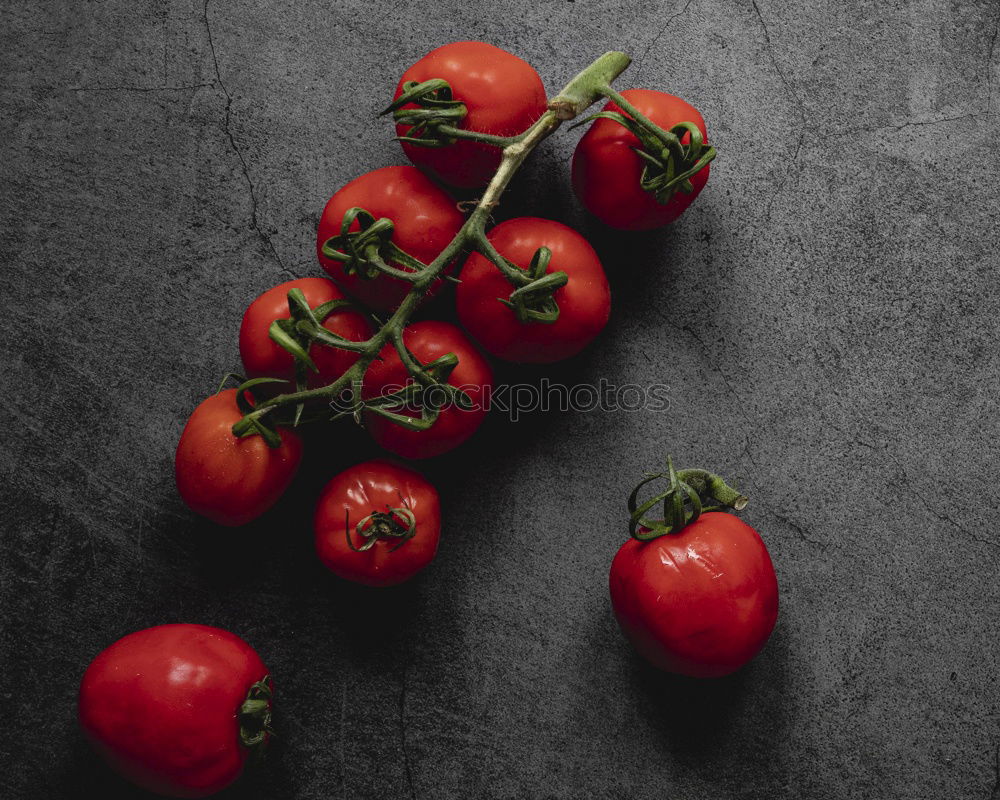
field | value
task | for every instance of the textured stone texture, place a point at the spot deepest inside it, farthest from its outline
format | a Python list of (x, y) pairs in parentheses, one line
[(826, 317)]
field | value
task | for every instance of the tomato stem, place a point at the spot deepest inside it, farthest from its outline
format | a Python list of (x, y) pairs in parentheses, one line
[(393, 523), (668, 164), (703, 490), (254, 717), (362, 252)]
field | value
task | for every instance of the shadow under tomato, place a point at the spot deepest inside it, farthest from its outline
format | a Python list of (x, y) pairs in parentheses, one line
[(87, 776), (744, 713)]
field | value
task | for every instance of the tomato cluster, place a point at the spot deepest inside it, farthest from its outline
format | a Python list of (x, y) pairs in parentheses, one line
[(179, 708)]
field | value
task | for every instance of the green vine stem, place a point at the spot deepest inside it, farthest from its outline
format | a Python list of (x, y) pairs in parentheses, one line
[(703, 490), (531, 298)]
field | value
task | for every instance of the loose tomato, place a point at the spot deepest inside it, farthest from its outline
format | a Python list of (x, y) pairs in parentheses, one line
[(702, 601), (607, 170), (399, 515), (428, 341), (502, 94), (425, 220), (584, 302), (165, 708), (231, 480), (262, 357)]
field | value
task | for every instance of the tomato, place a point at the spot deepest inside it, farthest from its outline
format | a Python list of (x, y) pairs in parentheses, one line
[(164, 707), (606, 170), (231, 480), (584, 302), (399, 510), (428, 341), (424, 217), (702, 601), (502, 94), (262, 357)]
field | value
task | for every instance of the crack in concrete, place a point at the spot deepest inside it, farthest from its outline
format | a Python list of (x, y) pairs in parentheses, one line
[(908, 484), (227, 127), (774, 61), (989, 67), (791, 523), (641, 60), (758, 495), (138, 88), (798, 104), (916, 123), (402, 730)]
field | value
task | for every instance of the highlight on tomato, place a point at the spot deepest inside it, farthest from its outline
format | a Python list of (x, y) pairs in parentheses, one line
[(232, 480), (263, 357), (468, 86), (421, 219), (420, 421), (377, 523), (633, 179), (177, 709), (526, 331), (695, 592)]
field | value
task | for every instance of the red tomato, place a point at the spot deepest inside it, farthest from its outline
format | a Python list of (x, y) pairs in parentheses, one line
[(381, 496), (428, 341), (502, 94), (606, 170), (584, 302), (162, 707), (262, 357), (425, 221), (701, 602), (231, 480)]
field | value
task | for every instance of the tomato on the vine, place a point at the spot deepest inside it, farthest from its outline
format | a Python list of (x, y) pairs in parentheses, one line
[(377, 523), (177, 709), (263, 357), (428, 341), (502, 94), (700, 602), (229, 479), (584, 302), (607, 170), (425, 220)]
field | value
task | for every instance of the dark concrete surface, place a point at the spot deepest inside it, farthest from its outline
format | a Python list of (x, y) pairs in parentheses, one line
[(826, 317)]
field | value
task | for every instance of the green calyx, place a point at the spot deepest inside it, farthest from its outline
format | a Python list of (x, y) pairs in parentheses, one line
[(296, 334), (437, 117), (690, 493), (368, 251), (254, 717), (393, 524), (533, 302), (434, 120), (668, 163), (429, 392)]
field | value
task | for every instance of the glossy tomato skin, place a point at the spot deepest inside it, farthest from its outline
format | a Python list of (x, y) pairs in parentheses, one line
[(701, 602), (606, 170), (227, 479), (428, 341), (353, 495), (502, 94), (160, 706), (584, 302), (262, 357), (425, 221)]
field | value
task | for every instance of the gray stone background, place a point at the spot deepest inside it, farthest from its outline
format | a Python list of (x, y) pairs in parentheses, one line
[(825, 316)]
